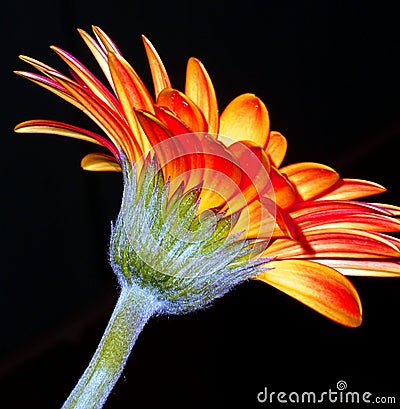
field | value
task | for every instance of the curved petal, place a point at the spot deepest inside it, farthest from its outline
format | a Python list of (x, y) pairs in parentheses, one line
[(184, 108), (349, 189), (286, 226), (62, 129), (158, 71), (347, 219), (100, 162), (51, 85), (310, 179), (194, 159), (390, 209), (168, 154), (276, 148), (130, 89), (171, 121), (285, 193), (256, 221), (319, 287), (255, 166), (333, 243), (99, 53), (110, 121), (246, 118), (200, 90), (132, 94), (105, 41), (302, 209), (87, 78), (365, 268)]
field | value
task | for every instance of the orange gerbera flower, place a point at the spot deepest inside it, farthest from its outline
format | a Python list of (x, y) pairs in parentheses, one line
[(298, 226)]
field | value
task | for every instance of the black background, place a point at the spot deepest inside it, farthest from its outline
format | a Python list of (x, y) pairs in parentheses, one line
[(329, 74)]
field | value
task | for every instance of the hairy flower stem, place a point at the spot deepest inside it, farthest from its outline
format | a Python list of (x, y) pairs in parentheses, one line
[(134, 308)]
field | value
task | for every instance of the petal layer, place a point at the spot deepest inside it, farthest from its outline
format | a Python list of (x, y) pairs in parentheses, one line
[(246, 119), (319, 287)]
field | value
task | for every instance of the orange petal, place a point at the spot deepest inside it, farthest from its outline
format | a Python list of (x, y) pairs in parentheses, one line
[(348, 219), (158, 71), (99, 162), (51, 85), (348, 189), (169, 157), (99, 53), (255, 221), (200, 90), (333, 243), (70, 131), (221, 176), (285, 193), (105, 41), (246, 119), (286, 226), (194, 159), (344, 215), (302, 209), (130, 88), (365, 268), (319, 287), (132, 94), (172, 122), (88, 78), (110, 121), (255, 169), (184, 108), (310, 179), (276, 148), (181, 157)]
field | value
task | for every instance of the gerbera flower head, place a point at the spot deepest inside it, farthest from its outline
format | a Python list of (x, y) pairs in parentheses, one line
[(206, 202)]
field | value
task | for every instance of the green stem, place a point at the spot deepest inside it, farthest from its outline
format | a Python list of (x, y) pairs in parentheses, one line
[(134, 308)]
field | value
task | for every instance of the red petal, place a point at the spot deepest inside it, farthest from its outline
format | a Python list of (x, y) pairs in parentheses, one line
[(132, 94), (185, 109), (255, 167), (286, 226), (172, 122), (348, 189), (345, 219), (301, 209), (194, 160), (111, 122), (285, 194), (336, 243), (319, 287)]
